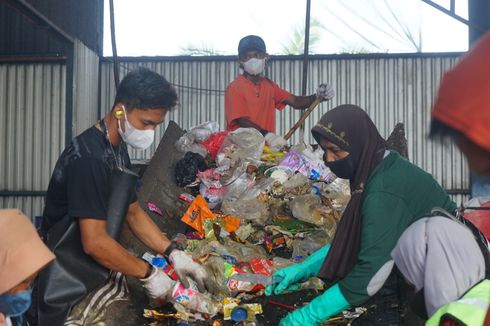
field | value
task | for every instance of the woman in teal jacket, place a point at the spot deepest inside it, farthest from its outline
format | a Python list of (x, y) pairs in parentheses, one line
[(388, 194)]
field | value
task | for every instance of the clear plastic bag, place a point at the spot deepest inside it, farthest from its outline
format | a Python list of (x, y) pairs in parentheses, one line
[(303, 207), (248, 209), (187, 143), (247, 251), (339, 192), (204, 130), (242, 144), (302, 248)]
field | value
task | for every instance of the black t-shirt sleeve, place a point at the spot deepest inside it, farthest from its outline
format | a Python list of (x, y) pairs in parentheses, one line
[(88, 188)]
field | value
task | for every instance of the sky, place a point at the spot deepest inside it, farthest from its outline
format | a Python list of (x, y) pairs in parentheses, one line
[(177, 27)]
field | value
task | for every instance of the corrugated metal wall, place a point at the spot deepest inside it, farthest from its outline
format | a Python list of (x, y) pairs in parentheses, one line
[(32, 117), (32, 123), (32, 107), (390, 88), (85, 88)]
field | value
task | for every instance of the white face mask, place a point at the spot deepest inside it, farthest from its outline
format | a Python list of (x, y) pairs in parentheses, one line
[(139, 139), (254, 66)]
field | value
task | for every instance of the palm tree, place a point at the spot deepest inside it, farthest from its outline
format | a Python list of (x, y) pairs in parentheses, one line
[(296, 43), (203, 49)]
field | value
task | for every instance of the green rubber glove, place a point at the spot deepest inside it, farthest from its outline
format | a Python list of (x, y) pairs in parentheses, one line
[(330, 303), (288, 278)]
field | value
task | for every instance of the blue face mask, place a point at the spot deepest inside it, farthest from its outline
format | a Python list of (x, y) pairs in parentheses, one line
[(15, 304)]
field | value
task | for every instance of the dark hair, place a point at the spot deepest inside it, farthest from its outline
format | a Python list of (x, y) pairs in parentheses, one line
[(145, 89)]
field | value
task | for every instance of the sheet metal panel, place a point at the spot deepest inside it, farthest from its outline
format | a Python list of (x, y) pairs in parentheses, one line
[(85, 88), (32, 116)]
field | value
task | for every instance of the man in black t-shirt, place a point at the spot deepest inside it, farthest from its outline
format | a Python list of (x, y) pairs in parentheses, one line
[(79, 189)]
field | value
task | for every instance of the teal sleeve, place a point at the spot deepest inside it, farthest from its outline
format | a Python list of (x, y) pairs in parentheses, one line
[(385, 217), (330, 303)]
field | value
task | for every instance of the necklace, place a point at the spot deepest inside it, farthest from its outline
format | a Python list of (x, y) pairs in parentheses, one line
[(117, 158)]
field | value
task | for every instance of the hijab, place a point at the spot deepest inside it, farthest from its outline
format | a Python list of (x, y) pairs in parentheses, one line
[(350, 128)]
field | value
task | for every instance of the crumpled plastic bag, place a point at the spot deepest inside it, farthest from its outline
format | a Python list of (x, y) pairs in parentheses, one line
[(186, 169), (309, 208), (243, 144), (339, 192), (214, 142), (190, 141), (204, 130), (249, 209), (187, 143)]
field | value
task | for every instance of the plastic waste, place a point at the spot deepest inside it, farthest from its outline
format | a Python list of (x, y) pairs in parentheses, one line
[(303, 207), (187, 143), (339, 192), (314, 283), (245, 231), (207, 247), (304, 248), (212, 194), (251, 210), (246, 251), (307, 165), (215, 267), (186, 169), (194, 300), (297, 180), (214, 142), (279, 173), (279, 263), (242, 144), (253, 278), (196, 213), (203, 131)]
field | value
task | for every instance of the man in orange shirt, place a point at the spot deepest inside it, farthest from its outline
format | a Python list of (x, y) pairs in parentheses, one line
[(251, 99)]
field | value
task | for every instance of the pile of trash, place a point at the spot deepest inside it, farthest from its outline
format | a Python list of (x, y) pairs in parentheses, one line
[(252, 211)]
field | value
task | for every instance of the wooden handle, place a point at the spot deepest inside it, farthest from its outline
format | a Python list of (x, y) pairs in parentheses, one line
[(303, 118)]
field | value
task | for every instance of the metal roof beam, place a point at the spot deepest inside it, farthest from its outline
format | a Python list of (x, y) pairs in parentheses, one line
[(37, 18)]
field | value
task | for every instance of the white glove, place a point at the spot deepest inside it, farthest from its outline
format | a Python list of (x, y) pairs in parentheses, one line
[(158, 285), (185, 267), (274, 141), (325, 92)]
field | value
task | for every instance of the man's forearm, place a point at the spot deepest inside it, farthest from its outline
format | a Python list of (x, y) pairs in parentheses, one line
[(113, 256), (145, 229), (107, 251), (302, 102), (246, 123)]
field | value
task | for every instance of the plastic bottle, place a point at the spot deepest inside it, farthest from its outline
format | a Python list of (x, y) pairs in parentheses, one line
[(253, 278)]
